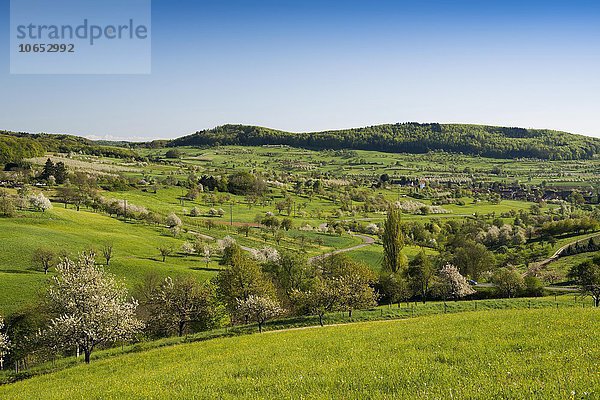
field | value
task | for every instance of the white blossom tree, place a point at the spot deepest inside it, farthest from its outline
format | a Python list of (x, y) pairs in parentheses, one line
[(266, 254), (4, 344), (258, 308), (40, 202), (372, 229), (452, 284), (224, 243), (173, 221), (188, 248), (207, 254), (92, 306)]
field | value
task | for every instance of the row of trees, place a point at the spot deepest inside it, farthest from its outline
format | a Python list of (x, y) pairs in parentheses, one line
[(88, 308), (25, 200)]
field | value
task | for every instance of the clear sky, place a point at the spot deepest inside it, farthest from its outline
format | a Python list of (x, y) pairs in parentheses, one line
[(325, 64)]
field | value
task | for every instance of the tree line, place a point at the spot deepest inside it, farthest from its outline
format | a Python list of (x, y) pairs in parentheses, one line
[(85, 307)]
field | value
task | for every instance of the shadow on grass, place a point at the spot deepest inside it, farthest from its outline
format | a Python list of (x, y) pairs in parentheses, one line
[(28, 271), (211, 269)]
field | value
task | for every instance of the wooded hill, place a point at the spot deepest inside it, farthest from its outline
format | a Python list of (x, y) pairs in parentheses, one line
[(486, 141), (15, 146), (415, 138)]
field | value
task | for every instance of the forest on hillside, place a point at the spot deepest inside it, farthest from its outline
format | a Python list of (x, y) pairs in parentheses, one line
[(412, 138), (486, 141), (15, 147)]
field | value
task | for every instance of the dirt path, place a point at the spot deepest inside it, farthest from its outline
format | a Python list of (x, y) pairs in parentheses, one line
[(558, 252), (367, 241)]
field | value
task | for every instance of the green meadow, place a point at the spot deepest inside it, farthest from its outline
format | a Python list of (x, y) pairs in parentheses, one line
[(69, 232), (509, 354)]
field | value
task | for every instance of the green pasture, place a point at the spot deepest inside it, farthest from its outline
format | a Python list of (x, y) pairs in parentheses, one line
[(67, 231), (516, 354)]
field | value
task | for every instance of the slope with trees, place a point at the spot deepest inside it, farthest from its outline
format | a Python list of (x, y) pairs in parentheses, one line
[(487, 141)]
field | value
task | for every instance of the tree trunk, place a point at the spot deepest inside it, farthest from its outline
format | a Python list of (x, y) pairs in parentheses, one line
[(350, 313), (260, 327), (87, 355), (181, 327), (321, 319)]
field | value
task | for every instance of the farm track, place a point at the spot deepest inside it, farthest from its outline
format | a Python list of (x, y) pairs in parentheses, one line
[(550, 260), (367, 241), (558, 252)]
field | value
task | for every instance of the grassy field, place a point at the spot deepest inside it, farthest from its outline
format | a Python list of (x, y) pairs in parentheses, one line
[(564, 264), (136, 244), (66, 230), (549, 354), (373, 255), (380, 313), (483, 349), (135, 249), (362, 163)]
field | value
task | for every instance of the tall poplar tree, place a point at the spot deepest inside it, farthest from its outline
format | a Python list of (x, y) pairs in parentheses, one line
[(393, 242)]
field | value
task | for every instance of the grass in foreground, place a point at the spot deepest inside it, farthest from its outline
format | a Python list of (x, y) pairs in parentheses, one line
[(517, 354), (388, 312)]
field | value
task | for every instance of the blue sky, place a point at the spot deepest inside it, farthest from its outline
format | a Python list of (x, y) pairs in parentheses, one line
[(315, 65)]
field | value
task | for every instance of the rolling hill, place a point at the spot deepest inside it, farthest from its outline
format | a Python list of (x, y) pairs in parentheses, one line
[(412, 138), (15, 146), (549, 354), (486, 141)]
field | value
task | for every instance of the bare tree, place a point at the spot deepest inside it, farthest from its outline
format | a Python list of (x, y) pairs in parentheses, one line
[(107, 252), (165, 251), (44, 257)]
